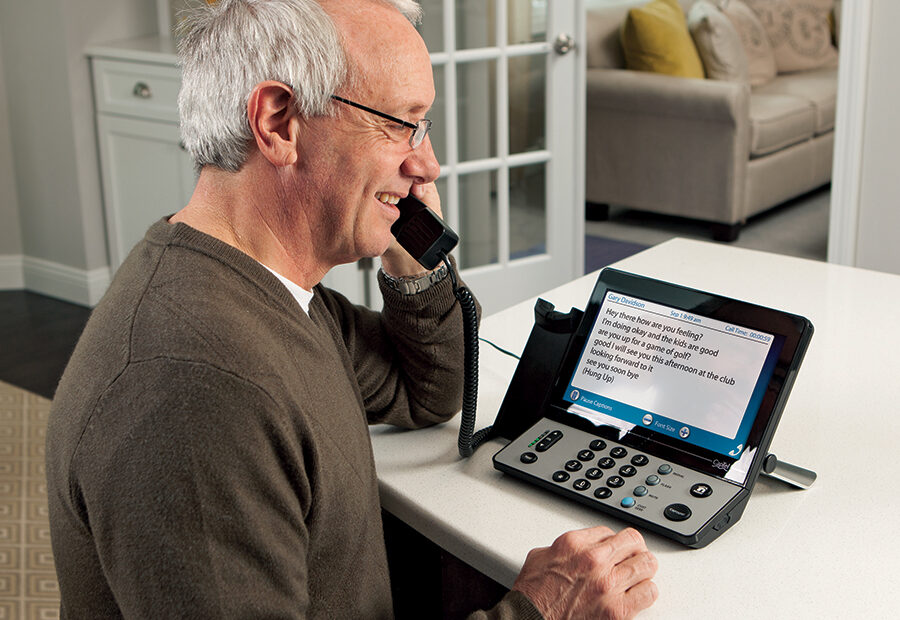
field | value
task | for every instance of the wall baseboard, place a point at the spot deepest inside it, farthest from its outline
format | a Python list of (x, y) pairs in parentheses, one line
[(78, 286)]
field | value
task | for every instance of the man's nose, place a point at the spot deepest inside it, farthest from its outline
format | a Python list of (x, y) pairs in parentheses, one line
[(421, 164)]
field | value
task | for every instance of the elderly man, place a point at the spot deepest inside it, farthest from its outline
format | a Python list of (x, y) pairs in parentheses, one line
[(208, 453)]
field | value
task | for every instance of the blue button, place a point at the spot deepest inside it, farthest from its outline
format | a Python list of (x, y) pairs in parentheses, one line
[(627, 502)]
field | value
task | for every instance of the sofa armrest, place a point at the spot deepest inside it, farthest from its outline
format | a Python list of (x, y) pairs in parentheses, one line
[(665, 95), (667, 144)]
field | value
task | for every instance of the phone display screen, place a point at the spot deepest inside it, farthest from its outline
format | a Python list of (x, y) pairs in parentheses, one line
[(695, 378)]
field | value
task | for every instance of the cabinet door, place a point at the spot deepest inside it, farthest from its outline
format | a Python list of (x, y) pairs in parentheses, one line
[(146, 175)]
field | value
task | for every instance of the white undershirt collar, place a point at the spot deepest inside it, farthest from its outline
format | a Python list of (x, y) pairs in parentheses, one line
[(302, 296)]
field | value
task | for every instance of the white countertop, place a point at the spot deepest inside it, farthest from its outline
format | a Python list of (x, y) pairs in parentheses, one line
[(831, 551)]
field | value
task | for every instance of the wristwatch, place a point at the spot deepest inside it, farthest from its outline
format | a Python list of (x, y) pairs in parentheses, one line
[(410, 285)]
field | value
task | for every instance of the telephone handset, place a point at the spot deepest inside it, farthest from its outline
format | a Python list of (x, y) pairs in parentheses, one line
[(428, 239), (422, 233)]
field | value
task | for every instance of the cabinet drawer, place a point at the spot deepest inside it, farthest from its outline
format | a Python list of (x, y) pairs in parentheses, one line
[(136, 89)]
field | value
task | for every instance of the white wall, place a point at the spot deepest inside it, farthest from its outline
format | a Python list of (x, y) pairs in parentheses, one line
[(878, 235), (865, 224), (50, 124), (10, 232)]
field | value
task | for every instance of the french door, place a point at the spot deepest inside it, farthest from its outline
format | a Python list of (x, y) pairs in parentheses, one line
[(509, 135)]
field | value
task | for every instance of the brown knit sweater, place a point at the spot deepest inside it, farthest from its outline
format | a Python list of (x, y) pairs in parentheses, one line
[(208, 453)]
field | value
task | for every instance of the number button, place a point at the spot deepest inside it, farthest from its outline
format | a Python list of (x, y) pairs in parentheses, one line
[(594, 473), (602, 493), (606, 463), (618, 452), (628, 470), (598, 444), (573, 465), (581, 485), (585, 455)]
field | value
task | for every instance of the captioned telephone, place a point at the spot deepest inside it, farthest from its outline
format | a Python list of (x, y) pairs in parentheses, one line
[(657, 404)]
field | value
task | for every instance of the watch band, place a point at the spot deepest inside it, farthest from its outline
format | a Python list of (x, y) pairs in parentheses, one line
[(410, 285)]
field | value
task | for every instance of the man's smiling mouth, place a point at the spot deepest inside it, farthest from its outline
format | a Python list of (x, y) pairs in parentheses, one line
[(387, 198)]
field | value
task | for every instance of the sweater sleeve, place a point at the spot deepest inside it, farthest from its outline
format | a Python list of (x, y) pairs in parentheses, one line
[(408, 358), (196, 498), (513, 606)]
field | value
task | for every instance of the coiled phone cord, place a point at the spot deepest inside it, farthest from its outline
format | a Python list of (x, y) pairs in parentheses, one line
[(468, 440)]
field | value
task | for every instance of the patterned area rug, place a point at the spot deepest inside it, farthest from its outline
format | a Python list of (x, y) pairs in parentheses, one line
[(28, 586)]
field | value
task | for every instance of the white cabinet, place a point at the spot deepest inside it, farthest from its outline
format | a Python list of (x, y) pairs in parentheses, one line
[(146, 172)]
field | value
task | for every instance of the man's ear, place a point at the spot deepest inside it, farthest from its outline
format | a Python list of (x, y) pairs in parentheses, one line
[(273, 121)]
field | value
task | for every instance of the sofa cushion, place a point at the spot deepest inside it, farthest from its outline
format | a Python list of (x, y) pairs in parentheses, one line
[(798, 31), (655, 38), (718, 43), (760, 57), (777, 121), (818, 88)]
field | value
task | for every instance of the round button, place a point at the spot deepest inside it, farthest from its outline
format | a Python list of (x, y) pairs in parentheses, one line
[(652, 480), (618, 452), (627, 502), (606, 463), (664, 469), (573, 465), (528, 457), (640, 460), (560, 476), (585, 455), (615, 482), (581, 485), (628, 470), (593, 473), (598, 444), (602, 493), (640, 491), (677, 512), (701, 490)]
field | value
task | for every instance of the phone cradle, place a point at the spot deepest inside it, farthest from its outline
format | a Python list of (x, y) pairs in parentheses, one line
[(792, 475), (538, 368)]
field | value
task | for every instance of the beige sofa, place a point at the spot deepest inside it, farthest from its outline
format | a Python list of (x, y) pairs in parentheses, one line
[(710, 150)]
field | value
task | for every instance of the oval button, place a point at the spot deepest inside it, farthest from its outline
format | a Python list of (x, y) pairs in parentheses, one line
[(677, 512)]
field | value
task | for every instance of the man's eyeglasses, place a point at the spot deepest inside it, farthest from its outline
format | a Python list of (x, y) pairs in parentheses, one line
[(420, 129)]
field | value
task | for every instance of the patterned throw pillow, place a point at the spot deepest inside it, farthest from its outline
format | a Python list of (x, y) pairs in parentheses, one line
[(798, 31), (760, 57), (718, 42)]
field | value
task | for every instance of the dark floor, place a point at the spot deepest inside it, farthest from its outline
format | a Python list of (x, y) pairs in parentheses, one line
[(37, 336)]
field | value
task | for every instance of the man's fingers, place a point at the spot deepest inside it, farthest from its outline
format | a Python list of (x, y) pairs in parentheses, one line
[(628, 573), (641, 596)]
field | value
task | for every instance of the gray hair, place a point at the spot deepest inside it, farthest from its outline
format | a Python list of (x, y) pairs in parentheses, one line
[(227, 48)]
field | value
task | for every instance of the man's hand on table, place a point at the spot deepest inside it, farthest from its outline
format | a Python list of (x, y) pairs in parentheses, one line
[(591, 573)]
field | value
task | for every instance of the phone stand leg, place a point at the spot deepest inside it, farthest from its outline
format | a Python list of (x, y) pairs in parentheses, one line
[(793, 475)]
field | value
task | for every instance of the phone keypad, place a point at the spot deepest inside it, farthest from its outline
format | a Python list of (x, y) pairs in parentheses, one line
[(621, 478)]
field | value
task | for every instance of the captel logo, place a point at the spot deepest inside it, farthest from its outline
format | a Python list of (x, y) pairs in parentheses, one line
[(721, 465)]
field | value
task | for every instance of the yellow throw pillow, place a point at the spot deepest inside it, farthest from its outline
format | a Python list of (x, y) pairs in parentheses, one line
[(655, 38)]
